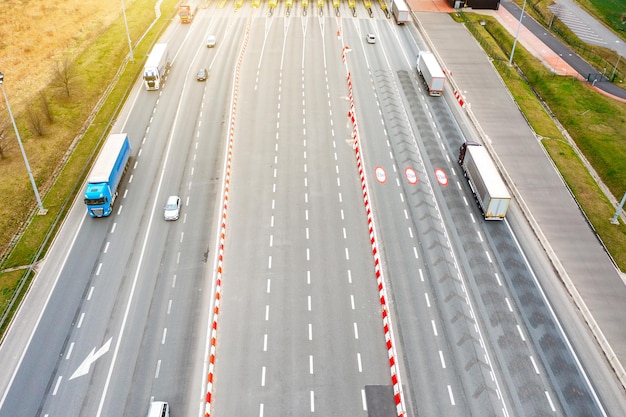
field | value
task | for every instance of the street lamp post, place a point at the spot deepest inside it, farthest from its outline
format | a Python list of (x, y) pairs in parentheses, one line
[(130, 45), (19, 140), (519, 25)]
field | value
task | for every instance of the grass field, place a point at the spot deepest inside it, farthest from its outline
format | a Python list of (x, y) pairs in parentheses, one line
[(93, 71), (596, 123)]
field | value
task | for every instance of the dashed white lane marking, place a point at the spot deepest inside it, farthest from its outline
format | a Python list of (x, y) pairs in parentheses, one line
[(56, 386), (69, 351), (311, 364), (356, 331), (451, 395), (263, 376), (158, 369), (532, 360), (358, 362), (265, 342), (442, 359), (312, 401), (80, 320)]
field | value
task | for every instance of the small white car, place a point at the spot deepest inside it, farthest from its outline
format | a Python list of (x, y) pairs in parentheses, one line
[(211, 41), (171, 211), (371, 38)]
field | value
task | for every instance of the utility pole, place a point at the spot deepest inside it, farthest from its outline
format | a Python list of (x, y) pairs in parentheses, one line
[(19, 140)]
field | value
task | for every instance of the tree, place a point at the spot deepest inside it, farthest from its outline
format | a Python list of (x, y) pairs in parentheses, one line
[(63, 76)]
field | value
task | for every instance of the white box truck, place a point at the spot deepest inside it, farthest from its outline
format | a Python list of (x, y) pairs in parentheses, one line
[(428, 68), (156, 65), (491, 193), (400, 11)]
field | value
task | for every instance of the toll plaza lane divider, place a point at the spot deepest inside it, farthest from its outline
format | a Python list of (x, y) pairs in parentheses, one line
[(222, 233), (382, 291)]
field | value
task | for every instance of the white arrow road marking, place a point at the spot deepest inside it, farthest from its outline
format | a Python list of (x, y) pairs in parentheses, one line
[(93, 356)]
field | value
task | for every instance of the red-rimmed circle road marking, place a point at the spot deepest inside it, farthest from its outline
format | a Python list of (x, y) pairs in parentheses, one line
[(380, 173), (411, 175), (442, 178)]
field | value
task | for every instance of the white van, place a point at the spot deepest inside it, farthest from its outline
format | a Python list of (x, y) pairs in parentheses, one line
[(159, 409)]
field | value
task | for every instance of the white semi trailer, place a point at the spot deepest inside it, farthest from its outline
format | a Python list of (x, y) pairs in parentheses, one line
[(156, 65), (491, 193), (429, 69)]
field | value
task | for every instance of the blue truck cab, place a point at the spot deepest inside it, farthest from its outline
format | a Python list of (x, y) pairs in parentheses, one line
[(105, 177)]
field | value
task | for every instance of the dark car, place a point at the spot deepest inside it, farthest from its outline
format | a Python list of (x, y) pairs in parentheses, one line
[(203, 74)]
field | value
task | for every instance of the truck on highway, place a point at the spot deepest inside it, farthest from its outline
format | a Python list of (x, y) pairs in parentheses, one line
[(428, 68), (186, 12), (400, 11), (491, 193), (105, 176), (156, 65)]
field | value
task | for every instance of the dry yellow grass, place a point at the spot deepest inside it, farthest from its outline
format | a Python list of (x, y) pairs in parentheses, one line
[(36, 35)]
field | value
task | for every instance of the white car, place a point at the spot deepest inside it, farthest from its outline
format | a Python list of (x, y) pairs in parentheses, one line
[(171, 211), (371, 38), (211, 41)]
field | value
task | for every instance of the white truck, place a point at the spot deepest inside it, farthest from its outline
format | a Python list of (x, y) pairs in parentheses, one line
[(156, 65), (400, 11), (428, 68), (491, 193)]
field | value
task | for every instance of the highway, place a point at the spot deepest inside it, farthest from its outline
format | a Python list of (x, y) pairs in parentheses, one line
[(300, 330)]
